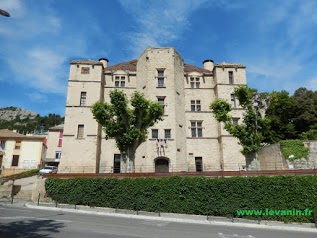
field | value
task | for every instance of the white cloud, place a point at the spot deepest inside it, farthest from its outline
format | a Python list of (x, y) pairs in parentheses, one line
[(40, 69), (159, 22)]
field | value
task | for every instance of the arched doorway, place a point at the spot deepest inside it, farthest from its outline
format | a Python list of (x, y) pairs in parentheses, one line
[(161, 165)]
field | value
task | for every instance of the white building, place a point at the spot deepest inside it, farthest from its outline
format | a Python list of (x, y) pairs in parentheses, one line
[(19, 152), (190, 139)]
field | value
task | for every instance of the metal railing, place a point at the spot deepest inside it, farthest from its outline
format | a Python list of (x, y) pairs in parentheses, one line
[(172, 168)]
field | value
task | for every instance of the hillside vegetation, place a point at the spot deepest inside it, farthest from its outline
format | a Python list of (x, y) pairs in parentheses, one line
[(25, 121)]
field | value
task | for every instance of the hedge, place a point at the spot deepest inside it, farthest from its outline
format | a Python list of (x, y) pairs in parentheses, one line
[(191, 195)]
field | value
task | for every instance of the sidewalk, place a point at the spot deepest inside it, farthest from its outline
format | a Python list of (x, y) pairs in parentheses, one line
[(171, 217)]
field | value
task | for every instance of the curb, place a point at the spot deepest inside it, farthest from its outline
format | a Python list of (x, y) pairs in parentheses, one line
[(180, 220)]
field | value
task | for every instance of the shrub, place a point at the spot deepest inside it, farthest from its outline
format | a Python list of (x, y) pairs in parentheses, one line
[(191, 195)]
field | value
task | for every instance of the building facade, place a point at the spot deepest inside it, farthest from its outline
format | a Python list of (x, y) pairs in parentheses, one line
[(54, 145), (19, 152), (188, 139)]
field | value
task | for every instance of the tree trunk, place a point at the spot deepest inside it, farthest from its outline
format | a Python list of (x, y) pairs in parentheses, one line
[(128, 162)]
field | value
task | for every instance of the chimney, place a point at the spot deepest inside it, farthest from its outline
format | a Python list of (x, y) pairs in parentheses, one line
[(208, 64), (104, 61)]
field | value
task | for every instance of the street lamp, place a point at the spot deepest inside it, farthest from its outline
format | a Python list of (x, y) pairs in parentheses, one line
[(4, 13)]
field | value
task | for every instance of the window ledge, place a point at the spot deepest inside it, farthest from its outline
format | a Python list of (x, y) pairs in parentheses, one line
[(161, 87)]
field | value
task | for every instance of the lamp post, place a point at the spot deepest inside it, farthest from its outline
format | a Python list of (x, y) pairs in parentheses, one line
[(4, 13)]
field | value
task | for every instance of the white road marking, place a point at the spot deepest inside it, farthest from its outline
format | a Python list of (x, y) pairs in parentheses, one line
[(35, 218), (155, 223), (1, 208), (234, 235)]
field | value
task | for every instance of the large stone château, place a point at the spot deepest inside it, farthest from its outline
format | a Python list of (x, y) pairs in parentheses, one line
[(188, 139)]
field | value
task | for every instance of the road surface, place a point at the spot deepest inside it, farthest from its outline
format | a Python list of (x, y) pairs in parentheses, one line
[(21, 222)]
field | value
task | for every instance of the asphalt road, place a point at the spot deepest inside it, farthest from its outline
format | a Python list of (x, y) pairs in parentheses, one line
[(21, 222)]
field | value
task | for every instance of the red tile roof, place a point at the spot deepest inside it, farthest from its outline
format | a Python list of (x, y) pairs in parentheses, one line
[(5, 133), (131, 66)]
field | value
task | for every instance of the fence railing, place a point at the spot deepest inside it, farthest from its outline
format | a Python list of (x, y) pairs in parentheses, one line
[(172, 168)]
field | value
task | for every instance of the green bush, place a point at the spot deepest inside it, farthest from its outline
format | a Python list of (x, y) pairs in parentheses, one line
[(191, 195), (24, 174)]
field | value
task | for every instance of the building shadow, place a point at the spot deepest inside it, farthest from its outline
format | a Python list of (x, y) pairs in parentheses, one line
[(31, 228)]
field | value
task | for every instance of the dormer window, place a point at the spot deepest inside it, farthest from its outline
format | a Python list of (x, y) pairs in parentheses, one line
[(119, 81), (195, 82)]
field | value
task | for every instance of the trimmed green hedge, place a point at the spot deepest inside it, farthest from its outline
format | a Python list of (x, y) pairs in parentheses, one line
[(191, 195)]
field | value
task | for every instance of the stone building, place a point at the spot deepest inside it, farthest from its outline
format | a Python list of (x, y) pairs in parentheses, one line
[(188, 139)]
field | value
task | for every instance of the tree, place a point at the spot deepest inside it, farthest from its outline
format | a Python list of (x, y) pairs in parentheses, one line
[(251, 133), (281, 113), (306, 109), (126, 125)]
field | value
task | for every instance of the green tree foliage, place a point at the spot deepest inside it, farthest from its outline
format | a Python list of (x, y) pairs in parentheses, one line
[(251, 133), (281, 113), (128, 126), (306, 109), (310, 134)]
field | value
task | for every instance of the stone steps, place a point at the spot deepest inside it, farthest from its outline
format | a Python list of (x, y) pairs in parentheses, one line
[(24, 194)]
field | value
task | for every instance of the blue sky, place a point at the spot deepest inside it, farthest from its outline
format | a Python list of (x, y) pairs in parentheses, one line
[(275, 39)]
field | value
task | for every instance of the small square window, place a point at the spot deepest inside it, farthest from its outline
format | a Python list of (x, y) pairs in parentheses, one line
[(155, 133), (167, 133), (230, 76), (233, 101), (235, 121), (58, 154), (83, 98), (80, 132), (160, 78), (17, 145), (84, 70)]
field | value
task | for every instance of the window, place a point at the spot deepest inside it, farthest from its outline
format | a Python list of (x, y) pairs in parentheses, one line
[(233, 101), (195, 82), (235, 121), (60, 142), (230, 75), (116, 163), (17, 145), (161, 100), (167, 133), (83, 98), (80, 132), (199, 164), (160, 78), (196, 127), (119, 81), (15, 160), (84, 70), (2, 145), (58, 154), (155, 133), (195, 105)]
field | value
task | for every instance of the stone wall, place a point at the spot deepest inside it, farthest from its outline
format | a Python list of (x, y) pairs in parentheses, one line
[(270, 158)]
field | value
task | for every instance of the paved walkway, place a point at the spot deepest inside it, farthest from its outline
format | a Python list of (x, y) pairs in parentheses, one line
[(183, 218)]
